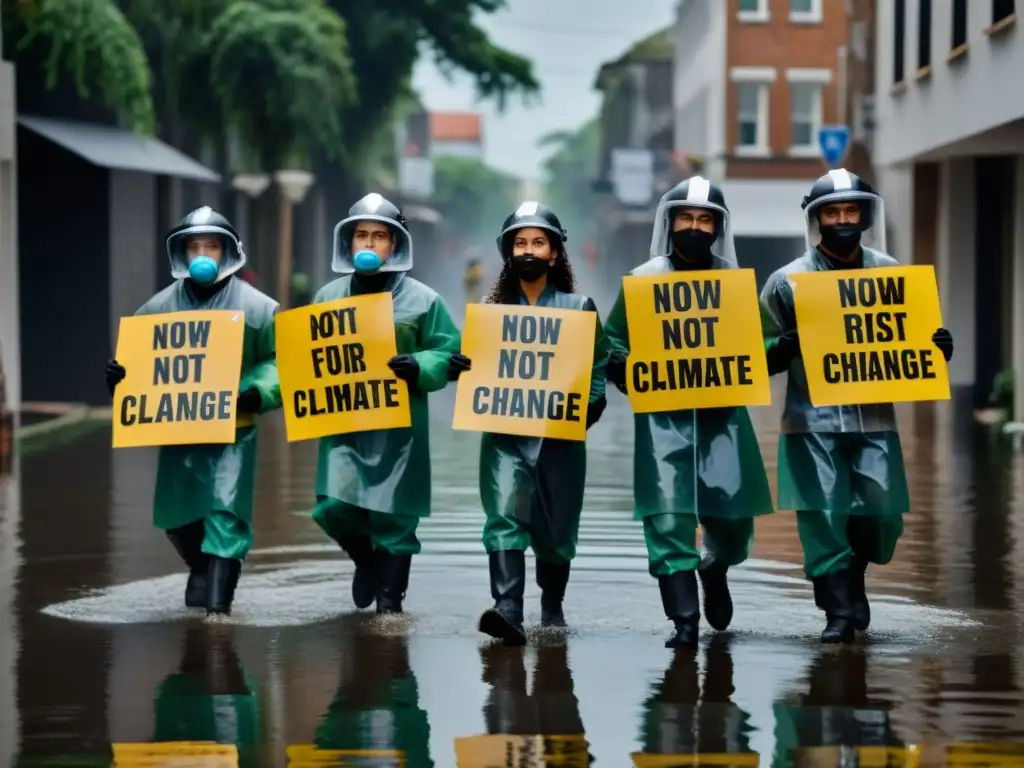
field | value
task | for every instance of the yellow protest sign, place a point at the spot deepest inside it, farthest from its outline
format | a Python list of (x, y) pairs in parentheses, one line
[(723, 759), (332, 359), (531, 371), (501, 749), (186, 754), (866, 335), (695, 341), (309, 756), (181, 378)]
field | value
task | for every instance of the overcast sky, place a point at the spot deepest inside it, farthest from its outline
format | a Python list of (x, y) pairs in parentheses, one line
[(567, 40)]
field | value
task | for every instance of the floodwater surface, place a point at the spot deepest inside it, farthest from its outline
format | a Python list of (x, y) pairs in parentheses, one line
[(100, 661)]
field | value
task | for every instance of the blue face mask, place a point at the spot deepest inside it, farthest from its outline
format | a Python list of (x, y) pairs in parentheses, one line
[(203, 270), (366, 262)]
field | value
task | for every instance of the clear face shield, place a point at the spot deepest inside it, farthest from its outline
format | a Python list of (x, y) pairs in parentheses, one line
[(393, 254), (847, 210), (232, 258), (723, 249)]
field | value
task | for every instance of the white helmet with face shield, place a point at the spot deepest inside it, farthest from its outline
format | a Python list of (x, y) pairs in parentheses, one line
[(382, 245), (843, 212), (693, 217), (195, 263)]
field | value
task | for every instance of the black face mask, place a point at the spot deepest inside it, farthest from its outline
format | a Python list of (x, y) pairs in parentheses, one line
[(842, 239), (529, 268), (694, 245)]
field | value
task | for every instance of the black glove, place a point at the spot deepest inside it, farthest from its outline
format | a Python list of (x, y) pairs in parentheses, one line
[(616, 373), (249, 401), (405, 367), (115, 375), (943, 339), (783, 352), (595, 409), (457, 365)]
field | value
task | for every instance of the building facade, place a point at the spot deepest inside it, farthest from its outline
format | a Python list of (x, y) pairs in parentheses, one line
[(949, 144), (754, 82)]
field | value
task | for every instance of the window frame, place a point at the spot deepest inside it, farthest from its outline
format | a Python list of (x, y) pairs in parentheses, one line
[(820, 78), (899, 42), (925, 23), (959, 13), (762, 15), (762, 78), (813, 16)]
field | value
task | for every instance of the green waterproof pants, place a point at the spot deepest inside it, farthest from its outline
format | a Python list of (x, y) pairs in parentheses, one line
[(509, 533), (831, 539), (226, 535), (388, 531), (672, 542), (850, 492)]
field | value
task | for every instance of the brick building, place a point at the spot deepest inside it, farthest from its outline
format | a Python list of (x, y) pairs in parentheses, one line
[(754, 81)]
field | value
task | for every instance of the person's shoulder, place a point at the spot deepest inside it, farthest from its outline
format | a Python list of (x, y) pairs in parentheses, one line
[(656, 265), (161, 301)]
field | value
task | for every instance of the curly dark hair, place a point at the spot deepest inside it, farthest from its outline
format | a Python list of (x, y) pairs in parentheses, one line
[(506, 288)]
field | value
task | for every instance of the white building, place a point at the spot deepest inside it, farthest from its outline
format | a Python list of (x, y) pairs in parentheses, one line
[(949, 143)]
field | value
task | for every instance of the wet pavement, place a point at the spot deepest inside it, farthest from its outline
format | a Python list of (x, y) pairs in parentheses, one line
[(97, 652)]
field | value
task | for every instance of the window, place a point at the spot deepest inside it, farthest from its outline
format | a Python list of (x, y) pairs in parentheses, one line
[(804, 115), (805, 11), (753, 10), (959, 24), (924, 34), (752, 114), (1001, 9), (899, 31)]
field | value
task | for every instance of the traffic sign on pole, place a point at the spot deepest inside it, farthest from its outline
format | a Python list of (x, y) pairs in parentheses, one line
[(834, 140)]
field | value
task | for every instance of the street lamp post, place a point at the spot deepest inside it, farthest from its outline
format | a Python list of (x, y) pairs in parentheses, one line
[(294, 186)]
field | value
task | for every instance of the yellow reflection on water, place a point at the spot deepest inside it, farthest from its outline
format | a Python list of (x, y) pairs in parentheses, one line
[(307, 755), (176, 754), (718, 759), (499, 750)]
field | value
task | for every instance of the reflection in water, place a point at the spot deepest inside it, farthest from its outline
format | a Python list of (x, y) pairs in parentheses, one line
[(686, 722), (375, 719), (210, 697), (836, 717), (542, 727)]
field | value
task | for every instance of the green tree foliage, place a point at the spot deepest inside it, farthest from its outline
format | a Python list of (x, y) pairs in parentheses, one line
[(282, 76), (474, 198), (570, 170), (385, 38), (93, 42)]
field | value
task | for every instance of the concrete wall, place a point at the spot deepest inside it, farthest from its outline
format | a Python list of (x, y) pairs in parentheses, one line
[(10, 329), (954, 99), (698, 99), (135, 244)]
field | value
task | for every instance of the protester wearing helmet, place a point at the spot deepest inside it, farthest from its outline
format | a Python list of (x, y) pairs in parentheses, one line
[(840, 467), (695, 466), (531, 487), (374, 487), (204, 493)]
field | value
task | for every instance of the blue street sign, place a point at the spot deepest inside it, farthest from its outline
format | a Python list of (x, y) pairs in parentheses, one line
[(833, 140)]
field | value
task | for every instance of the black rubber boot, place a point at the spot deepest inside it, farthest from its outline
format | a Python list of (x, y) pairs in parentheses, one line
[(682, 606), (552, 578), (508, 582), (391, 573), (188, 540), (717, 600), (832, 595), (221, 579), (858, 594), (364, 583)]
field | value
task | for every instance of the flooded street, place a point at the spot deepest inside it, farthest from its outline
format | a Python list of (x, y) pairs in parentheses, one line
[(97, 651)]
